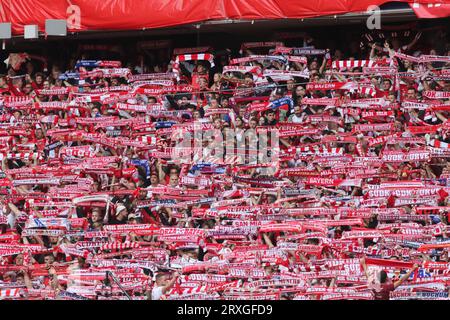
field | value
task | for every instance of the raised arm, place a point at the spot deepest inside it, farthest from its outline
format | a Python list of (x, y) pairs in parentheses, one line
[(170, 284), (414, 42), (405, 277), (364, 265)]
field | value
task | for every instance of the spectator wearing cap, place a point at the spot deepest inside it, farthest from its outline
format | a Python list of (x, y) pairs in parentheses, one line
[(134, 218), (121, 214)]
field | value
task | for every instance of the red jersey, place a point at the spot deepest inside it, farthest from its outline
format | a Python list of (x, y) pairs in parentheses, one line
[(383, 294)]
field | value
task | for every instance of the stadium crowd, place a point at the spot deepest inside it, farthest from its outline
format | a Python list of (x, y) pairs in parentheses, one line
[(279, 173)]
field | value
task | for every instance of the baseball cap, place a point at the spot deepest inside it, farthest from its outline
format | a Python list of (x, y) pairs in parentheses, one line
[(119, 209)]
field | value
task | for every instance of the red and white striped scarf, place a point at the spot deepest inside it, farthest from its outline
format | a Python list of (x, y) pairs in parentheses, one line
[(20, 156), (436, 94), (350, 64), (192, 57), (10, 293)]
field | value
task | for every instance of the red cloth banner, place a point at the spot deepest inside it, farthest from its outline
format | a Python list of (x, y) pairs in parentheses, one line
[(431, 10), (83, 15)]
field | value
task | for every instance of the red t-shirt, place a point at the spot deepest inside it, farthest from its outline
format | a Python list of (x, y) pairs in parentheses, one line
[(40, 143), (381, 93), (383, 294), (147, 218)]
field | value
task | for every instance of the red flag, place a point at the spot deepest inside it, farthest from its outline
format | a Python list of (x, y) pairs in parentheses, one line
[(431, 10)]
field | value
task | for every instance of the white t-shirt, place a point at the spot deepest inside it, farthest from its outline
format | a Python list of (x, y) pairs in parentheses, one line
[(296, 119), (157, 293), (11, 220)]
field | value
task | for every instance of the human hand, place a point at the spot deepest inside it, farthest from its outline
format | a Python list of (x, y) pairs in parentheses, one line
[(51, 271)]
